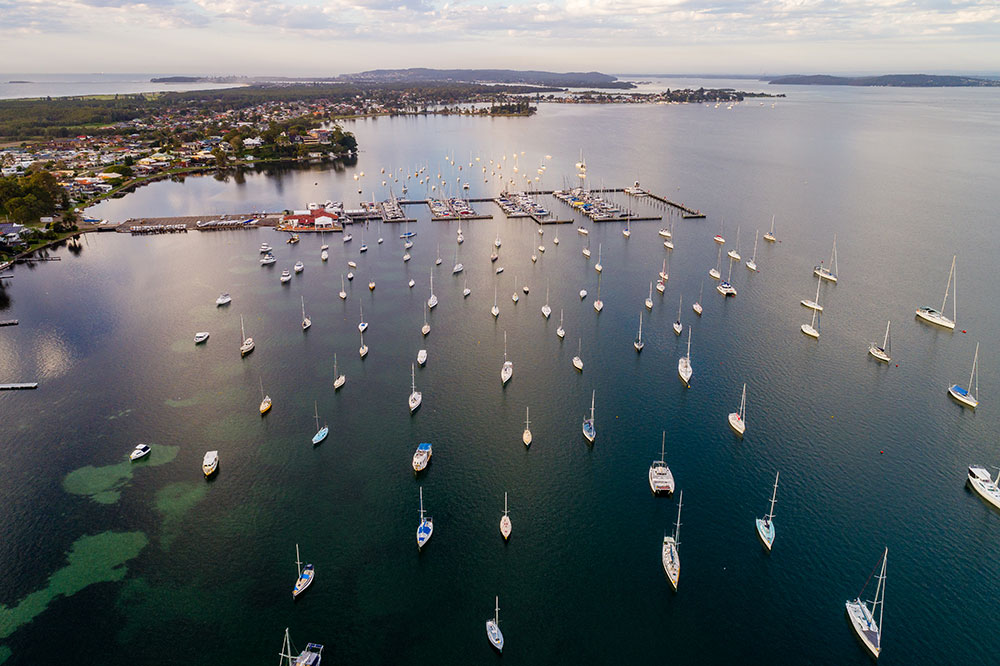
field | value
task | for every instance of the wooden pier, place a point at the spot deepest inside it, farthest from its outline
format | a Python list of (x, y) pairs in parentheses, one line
[(191, 222), (686, 213), (18, 386)]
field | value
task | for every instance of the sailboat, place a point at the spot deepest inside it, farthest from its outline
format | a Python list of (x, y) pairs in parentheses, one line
[(363, 349), (678, 326), (586, 249), (265, 400), (649, 299), (305, 577), (433, 299), (415, 396), (364, 245), (684, 364), (752, 261), (495, 310), (311, 656), (460, 238), (696, 306), (426, 328), (589, 431), (342, 294), (598, 267), (661, 479), (426, 527), (598, 303), (668, 243), (737, 420), (466, 291), (638, 343), (577, 360), (338, 379), (371, 283), (810, 328), (765, 525), (663, 271), (546, 310), (505, 519), (247, 345), (825, 272), (526, 436), (321, 433), (671, 555), (735, 254), (362, 324), (881, 353), (507, 371), (627, 231), (937, 316), (862, 618), (561, 332), (514, 297), (493, 629), (984, 485), (716, 273), (726, 287), (718, 237), (814, 304), (968, 397), (306, 321), (437, 262), (458, 267), (769, 236)]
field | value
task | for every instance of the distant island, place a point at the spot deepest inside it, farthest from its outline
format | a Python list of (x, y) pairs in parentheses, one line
[(179, 79), (887, 80), (17, 81)]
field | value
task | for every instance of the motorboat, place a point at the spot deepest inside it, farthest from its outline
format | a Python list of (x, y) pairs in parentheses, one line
[(224, 299), (210, 463), (286, 276), (200, 337), (140, 451), (422, 456)]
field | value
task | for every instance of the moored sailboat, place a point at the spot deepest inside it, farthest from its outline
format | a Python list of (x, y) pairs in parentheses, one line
[(670, 554), (426, 527), (737, 420), (684, 364), (589, 429), (862, 618), (507, 371), (881, 352), (321, 433), (938, 317), (305, 577), (661, 479), (968, 397), (765, 525)]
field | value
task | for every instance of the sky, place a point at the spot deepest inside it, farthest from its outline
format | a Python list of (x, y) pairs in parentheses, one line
[(329, 37)]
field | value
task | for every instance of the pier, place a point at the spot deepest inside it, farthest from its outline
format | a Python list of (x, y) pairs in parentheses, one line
[(8, 322), (686, 213), (447, 210), (18, 386), (229, 222)]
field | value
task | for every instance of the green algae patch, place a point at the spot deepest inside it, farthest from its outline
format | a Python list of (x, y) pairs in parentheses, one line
[(103, 484), (98, 558), (174, 501), (5, 653)]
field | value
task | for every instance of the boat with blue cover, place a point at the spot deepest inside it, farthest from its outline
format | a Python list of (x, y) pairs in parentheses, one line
[(589, 430), (426, 527), (321, 433), (311, 656), (422, 456), (306, 575)]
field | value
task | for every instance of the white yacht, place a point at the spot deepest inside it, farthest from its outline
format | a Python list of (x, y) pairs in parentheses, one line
[(684, 364), (638, 343), (433, 299), (765, 525), (665, 233), (338, 379), (752, 261), (726, 287), (466, 291), (661, 479), (670, 555), (526, 435), (678, 326), (938, 317), (737, 420), (426, 527), (299, 267), (324, 255), (985, 486), (507, 371), (224, 299), (422, 457), (813, 304), (505, 520), (577, 361), (268, 259), (649, 299), (422, 357), (696, 306), (286, 276), (589, 429), (515, 297), (415, 396), (264, 248), (968, 397), (140, 451), (210, 463), (561, 332), (828, 272), (306, 321), (200, 337), (583, 294), (493, 629), (882, 352), (862, 618)]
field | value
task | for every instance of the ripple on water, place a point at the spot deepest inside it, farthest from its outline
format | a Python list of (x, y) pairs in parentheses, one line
[(97, 558), (104, 484)]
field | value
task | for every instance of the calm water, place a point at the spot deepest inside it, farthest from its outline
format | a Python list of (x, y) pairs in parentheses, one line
[(19, 85), (151, 560)]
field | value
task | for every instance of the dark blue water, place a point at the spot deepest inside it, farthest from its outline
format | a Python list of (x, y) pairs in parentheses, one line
[(870, 456)]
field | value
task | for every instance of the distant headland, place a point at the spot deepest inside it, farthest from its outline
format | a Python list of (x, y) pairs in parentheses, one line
[(887, 80)]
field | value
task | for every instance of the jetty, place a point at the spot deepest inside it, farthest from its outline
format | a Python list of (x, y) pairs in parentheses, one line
[(446, 210), (181, 224), (16, 386), (8, 322)]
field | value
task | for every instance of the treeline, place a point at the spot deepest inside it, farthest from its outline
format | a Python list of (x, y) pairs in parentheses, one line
[(25, 199)]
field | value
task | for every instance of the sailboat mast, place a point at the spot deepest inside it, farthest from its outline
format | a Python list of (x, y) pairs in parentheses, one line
[(689, 343), (242, 330), (833, 258), (677, 527), (886, 341), (975, 360), (880, 592), (663, 446), (743, 404), (316, 409), (774, 495), (298, 559), (640, 326), (947, 287), (592, 395), (505, 346)]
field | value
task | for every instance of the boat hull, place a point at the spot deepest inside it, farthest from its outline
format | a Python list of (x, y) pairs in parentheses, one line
[(987, 490), (738, 425), (810, 331), (864, 626), (962, 397), (765, 532), (932, 316), (878, 353)]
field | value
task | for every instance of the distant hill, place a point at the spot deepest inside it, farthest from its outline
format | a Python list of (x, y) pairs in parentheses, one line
[(179, 79), (419, 74), (889, 80)]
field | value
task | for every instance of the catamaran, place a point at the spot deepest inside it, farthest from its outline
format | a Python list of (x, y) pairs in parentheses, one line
[(321, 433), (985, 486), (696, 306), (881, 353), (670, 555), (589, 431), (661, 479), (769, 236), (426, 328), (306, 321), (737, 420), (426, 527), (247, 345), (735, 254), (561, 332), (507, 371), (825, 272), (415, 396), (638, 343), (726, 287), (649, 299), (422, 456), (684, 364), (311, 656), (265, 400), (305, 577), (493, 629), (937, 316), (752, 261), (678, 326), (338, 379), (814, 303), (526, 435), (765, 525), (862, 618), (505, 520), (578, 360), (968, 397)]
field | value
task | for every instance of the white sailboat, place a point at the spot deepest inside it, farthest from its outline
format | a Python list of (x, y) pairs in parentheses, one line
[(495, 310), (726, 287), (561, 332), (493, 629), (937, 316), (306, 321), (342, 294), (664, 275), (984, 485), (638, 343), (684, 364), (737, 420), (422, 357), (338, 379), (670, 554), (247, 344), (826, 272), (505, 520), (765, 525), (598, 303), (507, 371), (752, 261), (577, 360), (661, 479), (678, 326), (526, 435), (321, 433), (649, 299), (769, 236), (598, 267), (589, 429), (426, 527), (433, 299), (305, 577), (669, 243), (810, 328), (627, 231), (437, 262), (546, 310), (415, 396), (696, 306), (862, 618), (265, 400), (716, 273), (426, 328), (735, 253), (586, 249), (968, 397), (363, 349), (362, 324), (466, 291), (881, 352), (514, 297), (814, 303)]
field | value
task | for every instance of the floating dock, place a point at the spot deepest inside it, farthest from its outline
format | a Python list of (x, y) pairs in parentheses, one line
[(8, 322), (18, 386), (447, 210), (147, 225)]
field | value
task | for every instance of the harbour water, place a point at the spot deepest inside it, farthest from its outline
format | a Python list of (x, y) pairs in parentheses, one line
[(19, 85), (148, 560)]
